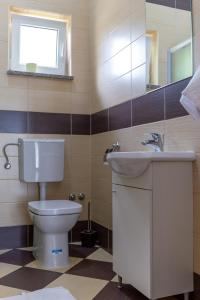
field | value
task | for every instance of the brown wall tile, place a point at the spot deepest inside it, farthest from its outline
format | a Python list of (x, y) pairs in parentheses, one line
[(120, 116)]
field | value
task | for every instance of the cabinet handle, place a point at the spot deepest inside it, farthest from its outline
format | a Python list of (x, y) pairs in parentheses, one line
[(114, 191)]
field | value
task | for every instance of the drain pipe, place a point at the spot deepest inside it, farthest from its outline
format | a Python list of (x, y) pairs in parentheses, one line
[(43, 190)]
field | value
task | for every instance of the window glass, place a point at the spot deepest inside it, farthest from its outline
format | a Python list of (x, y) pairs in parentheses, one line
[(38, 45)]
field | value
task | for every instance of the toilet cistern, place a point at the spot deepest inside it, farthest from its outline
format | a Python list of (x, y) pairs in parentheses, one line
[(41, 161)]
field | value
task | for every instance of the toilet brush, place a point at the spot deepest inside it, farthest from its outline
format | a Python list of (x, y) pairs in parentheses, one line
[(88, 236), (89, 219)]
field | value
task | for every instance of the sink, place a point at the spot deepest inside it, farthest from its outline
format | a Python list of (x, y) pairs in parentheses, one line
[(134, 164)]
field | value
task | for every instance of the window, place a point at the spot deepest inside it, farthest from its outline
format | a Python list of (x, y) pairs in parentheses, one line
[(40, 42), (180, 61)]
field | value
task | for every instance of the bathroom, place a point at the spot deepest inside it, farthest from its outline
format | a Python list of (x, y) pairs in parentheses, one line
[(101, 97)]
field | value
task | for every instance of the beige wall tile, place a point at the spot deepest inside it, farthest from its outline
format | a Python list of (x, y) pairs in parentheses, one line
[(3, 56), (99, 170), (79, 167), (138, 81), (13, 99), (137, 19), (139, 52), (182, 134), (80, 145), (80, 39), (58, 190), (120, 64), (13, 191), (81, 62), (81, 83), (49, 101), (120, 37), (17, 82), (81, 103), (102, 202), (46, 85), (32, 192), (120, 90), (4, 23), (12, 173)]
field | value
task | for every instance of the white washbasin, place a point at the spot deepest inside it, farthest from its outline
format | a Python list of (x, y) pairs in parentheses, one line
[(134, 164)]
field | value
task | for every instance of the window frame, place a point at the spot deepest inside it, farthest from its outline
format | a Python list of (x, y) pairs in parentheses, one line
[(60, 26)]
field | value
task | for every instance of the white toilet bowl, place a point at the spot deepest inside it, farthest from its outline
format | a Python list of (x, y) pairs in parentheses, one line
[(52, 220)]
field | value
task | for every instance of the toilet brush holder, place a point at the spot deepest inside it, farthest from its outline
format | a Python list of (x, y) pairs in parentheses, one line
[(88, 236)]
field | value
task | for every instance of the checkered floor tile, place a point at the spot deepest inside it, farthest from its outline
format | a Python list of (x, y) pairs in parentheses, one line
[(88, 277)]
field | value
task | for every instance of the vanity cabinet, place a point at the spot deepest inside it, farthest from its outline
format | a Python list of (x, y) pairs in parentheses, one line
[(153, 229)]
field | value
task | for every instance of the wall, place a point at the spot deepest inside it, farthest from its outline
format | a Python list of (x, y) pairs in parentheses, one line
[(159, 112), (57, 100), (118, 72)]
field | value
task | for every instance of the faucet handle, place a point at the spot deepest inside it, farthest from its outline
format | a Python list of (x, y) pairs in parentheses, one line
[(116, 147)]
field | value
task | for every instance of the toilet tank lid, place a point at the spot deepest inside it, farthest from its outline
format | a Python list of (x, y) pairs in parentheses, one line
[(54, 207)]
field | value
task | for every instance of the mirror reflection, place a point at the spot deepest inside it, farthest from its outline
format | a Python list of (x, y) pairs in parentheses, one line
[(168, 42)]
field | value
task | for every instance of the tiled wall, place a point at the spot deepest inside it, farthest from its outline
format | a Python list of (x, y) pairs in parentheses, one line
[(157, 112), (116, 76), (118, 29), (32, 107)]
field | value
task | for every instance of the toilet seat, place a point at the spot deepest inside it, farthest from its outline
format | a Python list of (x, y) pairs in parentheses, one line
[(54, 207)]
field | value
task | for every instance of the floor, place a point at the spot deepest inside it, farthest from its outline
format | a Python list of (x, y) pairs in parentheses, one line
[(89, 276)]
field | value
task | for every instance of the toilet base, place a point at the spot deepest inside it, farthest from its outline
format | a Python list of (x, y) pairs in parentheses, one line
[(51, 250)]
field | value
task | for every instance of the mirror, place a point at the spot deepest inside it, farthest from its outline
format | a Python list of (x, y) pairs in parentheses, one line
[(169, 46)]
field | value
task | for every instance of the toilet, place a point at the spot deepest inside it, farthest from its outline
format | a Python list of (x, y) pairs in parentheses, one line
[(42, 161), (52, 220)]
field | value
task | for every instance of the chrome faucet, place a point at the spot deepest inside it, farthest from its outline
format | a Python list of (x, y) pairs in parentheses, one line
[(115, 148), (156, 142)]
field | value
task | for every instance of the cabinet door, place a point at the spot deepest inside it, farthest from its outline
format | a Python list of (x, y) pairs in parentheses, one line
[(132, 232)]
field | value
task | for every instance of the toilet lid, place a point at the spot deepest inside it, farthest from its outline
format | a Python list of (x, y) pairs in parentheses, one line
[(54, 207)]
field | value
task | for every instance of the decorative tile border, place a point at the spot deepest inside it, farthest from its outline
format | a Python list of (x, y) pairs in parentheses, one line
[(148, 108), (81, 124), (99, 122), (173, 108), (158, 105), (13, 122), (14, 237), (120, 116), (22, 236), (180, 4), (44, 123), (49, 123)]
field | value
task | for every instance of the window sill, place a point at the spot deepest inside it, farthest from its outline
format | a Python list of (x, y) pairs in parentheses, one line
[(41, 75)]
